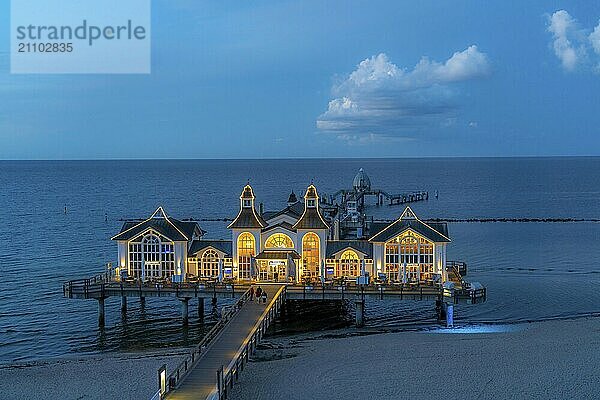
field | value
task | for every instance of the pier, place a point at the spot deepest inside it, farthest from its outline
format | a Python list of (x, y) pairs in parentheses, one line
[(308, 251), (213, 366)]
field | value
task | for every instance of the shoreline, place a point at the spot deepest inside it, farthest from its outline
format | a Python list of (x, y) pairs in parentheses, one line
[(547, 359)]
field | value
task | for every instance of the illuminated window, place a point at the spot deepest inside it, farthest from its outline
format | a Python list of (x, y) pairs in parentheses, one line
[(279, 240), (151, 258), (209, 264), (135, 259), (247, 203), (310, 254), (392, 260), (349, 264), (413, 251), (245, 254)]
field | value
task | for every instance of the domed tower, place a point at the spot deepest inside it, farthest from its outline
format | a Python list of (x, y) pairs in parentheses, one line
[(312, 232), (361, 182), (245, 232)]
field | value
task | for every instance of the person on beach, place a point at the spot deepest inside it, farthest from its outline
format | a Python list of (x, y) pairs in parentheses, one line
[(251, 293), (264, 296), (258, 293)]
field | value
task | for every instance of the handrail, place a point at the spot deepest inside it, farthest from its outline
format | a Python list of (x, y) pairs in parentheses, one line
[(458, 266), (175, 378), (226, 377)]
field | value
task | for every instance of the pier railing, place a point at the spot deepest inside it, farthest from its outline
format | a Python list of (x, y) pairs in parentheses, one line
[(226, 377), (85, 286), (175, 377), (458, 266)]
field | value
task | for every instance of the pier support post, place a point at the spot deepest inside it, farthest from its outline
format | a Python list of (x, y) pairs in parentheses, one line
[(142, 302), (101, 312), (124, 305), (184, 309), (360, 313), (201, 309), (449, 315)]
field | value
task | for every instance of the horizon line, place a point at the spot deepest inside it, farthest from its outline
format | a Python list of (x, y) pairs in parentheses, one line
[(297, 158)]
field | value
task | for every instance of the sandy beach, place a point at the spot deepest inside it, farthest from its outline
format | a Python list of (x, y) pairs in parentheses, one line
[(124, 376), (543, 360)]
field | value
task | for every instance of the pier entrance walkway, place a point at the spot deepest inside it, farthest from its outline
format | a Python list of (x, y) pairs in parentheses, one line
[(201, 381)]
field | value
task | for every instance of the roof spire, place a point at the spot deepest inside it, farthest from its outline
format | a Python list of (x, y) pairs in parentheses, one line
[(408, 213), (292, 199), (159, 213)]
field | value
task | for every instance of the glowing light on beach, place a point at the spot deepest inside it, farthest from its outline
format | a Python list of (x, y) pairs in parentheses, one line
[(475, 329)]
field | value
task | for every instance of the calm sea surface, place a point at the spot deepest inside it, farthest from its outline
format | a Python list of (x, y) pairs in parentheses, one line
[(533, 271)]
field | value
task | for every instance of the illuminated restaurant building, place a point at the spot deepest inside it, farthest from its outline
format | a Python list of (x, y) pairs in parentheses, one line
[(294, 244)]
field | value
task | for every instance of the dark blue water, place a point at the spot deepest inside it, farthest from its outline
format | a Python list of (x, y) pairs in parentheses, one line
[(533, 271)]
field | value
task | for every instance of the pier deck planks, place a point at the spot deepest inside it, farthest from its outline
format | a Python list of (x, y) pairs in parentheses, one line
[(201, 381)]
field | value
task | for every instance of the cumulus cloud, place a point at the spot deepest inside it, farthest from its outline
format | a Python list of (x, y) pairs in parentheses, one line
[(381, 99), (595, 39), (564, 31), (575, 47)]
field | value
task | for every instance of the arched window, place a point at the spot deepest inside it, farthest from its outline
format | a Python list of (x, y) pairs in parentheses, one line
[(310, 254), (279, 240), (210, 264), (349, 264), (245, 254), (151, 246)]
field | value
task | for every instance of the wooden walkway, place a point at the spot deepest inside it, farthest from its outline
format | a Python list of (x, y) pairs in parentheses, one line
[(202, 380)]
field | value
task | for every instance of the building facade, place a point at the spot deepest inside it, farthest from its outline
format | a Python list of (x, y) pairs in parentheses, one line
[(297, 243)]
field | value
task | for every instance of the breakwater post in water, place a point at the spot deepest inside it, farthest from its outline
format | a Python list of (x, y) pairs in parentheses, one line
[(360, 313)]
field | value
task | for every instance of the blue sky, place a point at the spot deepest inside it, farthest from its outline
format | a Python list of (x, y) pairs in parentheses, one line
[(258, 79)]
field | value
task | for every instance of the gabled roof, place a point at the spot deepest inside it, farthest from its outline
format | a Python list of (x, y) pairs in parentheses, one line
[(171, 228), (311, 219), (283, 225), (294, 211), (221, 245), (362, 246), (408, 220)]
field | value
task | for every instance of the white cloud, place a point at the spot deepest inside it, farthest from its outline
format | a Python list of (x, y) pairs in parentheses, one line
[(563, 28), (595, 39), (577, 48), (380, 98)]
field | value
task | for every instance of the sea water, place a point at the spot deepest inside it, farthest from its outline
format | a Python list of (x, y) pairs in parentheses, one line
[(57, 217)]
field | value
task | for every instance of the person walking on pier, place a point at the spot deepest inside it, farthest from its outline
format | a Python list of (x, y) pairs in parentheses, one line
[(264, 296), (258, 293), (251, 293)]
